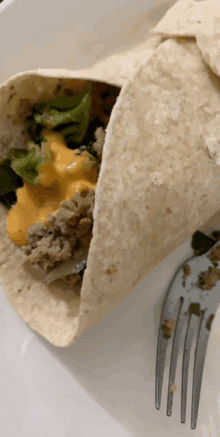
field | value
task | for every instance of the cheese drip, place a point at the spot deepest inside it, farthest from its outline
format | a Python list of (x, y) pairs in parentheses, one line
[(59, 179)]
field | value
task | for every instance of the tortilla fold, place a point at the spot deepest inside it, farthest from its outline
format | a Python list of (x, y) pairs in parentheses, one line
[(195, 18)]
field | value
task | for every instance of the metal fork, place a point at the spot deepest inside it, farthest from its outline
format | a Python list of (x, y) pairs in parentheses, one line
[(187, 295)]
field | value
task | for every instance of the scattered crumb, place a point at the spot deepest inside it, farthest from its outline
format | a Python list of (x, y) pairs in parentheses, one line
[(168, 327), (173, 388), (209, 278), (187, 272)]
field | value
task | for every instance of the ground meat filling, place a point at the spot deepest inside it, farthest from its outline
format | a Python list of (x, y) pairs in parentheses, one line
[(65, 233), (99, 143)]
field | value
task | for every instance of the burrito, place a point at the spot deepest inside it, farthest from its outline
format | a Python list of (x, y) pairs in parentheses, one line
[(53, 128), (148, 177)]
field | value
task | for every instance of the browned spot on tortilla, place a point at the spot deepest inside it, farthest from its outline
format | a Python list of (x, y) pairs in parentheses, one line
[(19, 290), (209, 278), (215, 256), (5, 141), (12, 87), (195, 309), (9, 117), (186, 271), (24, 109), (168, 210), (111, 270), (68, 92), (57, 89), (11, 97), (168, 327), (209, 322)]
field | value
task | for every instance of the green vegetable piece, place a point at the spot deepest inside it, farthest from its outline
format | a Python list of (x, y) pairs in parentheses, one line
[(69, 129), (64, 103), (80, 120), (34, 130), (8, 179), (25, 165), (52, 118), (71, 120), (61, 103), (26, 162)]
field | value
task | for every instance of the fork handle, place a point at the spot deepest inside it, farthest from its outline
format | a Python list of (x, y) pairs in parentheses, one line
[(201, 243), (207, 235)]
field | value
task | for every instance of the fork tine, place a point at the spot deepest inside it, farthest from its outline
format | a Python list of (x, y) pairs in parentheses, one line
[(200, 352), (160, 363), (174, 356), (185, 368), (162, 342), (180, 305)]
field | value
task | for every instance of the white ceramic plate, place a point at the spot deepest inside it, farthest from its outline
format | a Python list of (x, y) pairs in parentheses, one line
[(114, 363)]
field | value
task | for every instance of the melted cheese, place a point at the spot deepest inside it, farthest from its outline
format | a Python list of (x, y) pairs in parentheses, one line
[(59, 180)]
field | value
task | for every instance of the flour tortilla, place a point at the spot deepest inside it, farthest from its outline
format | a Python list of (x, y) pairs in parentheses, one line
[(158, 183), (199, 19)]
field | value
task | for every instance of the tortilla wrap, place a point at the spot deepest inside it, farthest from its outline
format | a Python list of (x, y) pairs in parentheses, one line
[(47, 309), (157, 184)]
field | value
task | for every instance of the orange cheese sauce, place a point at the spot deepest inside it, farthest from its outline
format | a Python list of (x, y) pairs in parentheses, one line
[(59, 179)]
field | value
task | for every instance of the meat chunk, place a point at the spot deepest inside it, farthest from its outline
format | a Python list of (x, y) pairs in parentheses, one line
[(65, 232)]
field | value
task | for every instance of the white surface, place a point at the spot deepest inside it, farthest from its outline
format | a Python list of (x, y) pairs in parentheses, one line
[(71, 33), (110, 370), (38, 397), (114, 363)]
